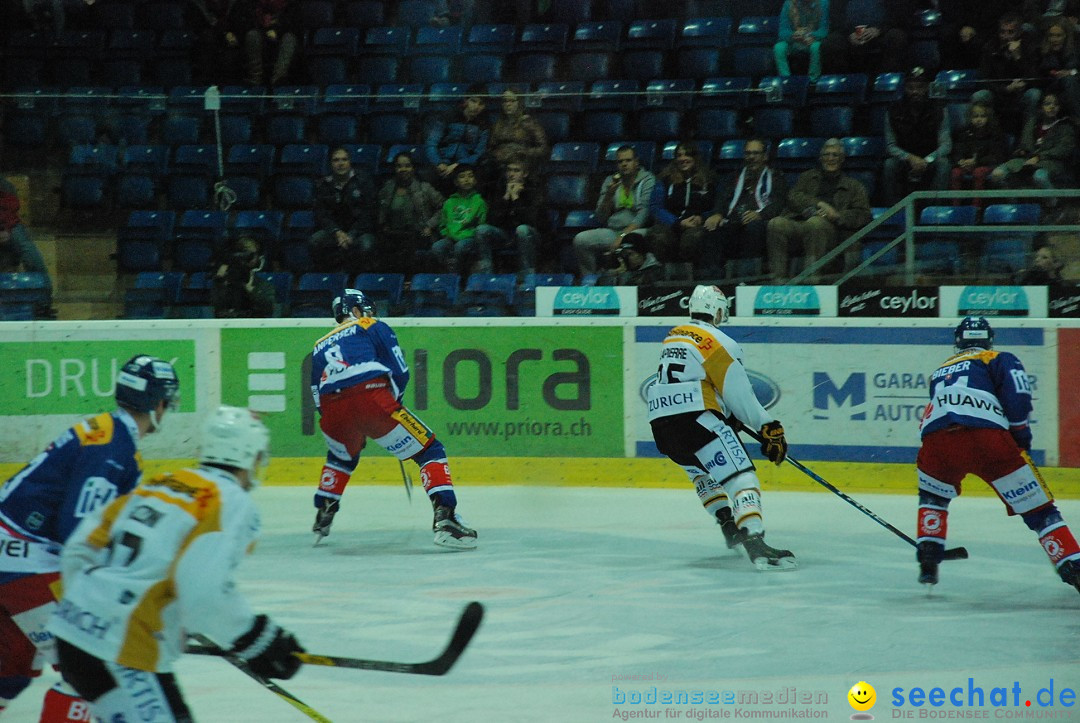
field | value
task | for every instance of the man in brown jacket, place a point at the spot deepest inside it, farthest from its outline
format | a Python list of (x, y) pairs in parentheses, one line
[(823, 207)]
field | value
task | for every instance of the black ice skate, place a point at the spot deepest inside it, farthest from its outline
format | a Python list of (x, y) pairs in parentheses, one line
[(450, 531), (765, 557), (1070, 573), (733, 536), (929, 554), (324, 517)]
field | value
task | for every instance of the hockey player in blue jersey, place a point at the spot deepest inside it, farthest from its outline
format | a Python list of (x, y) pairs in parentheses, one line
[(84, 469), (358, 377), (977, 423)]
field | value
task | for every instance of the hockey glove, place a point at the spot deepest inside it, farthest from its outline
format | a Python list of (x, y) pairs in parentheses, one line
[(773, 444), (1022, 435), (732, 421), (268, 650)]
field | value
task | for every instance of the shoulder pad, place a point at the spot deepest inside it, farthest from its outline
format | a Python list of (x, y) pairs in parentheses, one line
[(95, 431)]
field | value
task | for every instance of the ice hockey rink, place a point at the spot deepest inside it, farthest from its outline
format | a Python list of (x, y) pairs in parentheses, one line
[(601, 601)]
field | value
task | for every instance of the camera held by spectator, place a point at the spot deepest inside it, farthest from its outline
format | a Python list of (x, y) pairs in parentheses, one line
[(238, 291), (629, 264)]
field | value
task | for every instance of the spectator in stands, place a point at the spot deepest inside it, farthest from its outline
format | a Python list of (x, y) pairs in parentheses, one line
[(271, 39), (745, 204), (460, 250), (460, 137), (918, 141), (965, 27), (1008, 64), (978, 148), (17, 249), (512, 231), (624, 206), (409, 211), (1045, 269), (515, 135), (344, 217), (689, 191), (238, 291), (866, 36), (219, 25), (803, 25), (1058, 64), (630, 264), (1045, 149), (823, 207)]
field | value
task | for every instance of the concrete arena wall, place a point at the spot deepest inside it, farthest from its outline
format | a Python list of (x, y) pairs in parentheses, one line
[(536, 374)]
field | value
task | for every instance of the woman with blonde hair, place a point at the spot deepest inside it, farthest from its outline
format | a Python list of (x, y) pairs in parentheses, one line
[(516, 135)]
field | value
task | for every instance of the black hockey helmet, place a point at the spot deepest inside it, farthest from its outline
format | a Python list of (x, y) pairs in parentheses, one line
[(974, 331), (144, 382), (347, 300)]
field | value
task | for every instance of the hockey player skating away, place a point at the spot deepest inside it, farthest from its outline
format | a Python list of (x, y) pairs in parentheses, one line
[(699, 400), (84, 469), (159, 564), (977, 423), (358, 376)]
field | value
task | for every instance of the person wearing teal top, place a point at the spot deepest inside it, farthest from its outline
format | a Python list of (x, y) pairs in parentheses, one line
[(803, 25)]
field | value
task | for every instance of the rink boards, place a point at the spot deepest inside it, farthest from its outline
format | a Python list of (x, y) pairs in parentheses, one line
[(555, 401)]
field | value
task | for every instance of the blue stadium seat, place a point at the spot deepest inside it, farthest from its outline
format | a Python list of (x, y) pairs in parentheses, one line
[(863, 152), (644, 64), (282, 281), (588, 65), (316, 13), (437, 40), (386, 40), (415, 13), (560, 95), (200, 235), (887, 88), (543, 38), (621, 94), (709, 32), (797, 153), (85, 192), (1006, 255), (497, 39), (293, 192), (142, 168), (482, 68), (399, 96), (328, 69), (248, 159), (571, 12), (705, 150), (341, 42), (535, 67), (699, 62), (576, 221), (888, 262), (729, 157), (379, 69), (716, 123), (131, 128), (936, 256), (234, 128), (556, 124), (434, 294), (293, 253), (152, 294), (831, 121), (958, 85), (773, 122), (387, 129), (525, 303), (848, 89), (284, 128), (948, 216), (602, 126), (723, 92), (488, 295), (365, 156), (645, 150), (653, 34), (264, 226), (659, 124), (757, 30), (788, 91), (348, 98), (303, 159), (385, 290), (181, 128), (567, 190), (574, 157), (335, 129), (669, 93), (1007, 251), (77, 129), (597, 35), (315, 292), (142, 241), (428, 69), (754, 61)]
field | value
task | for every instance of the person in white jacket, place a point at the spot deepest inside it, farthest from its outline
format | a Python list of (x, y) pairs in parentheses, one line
[(698, 401), (157, 565)]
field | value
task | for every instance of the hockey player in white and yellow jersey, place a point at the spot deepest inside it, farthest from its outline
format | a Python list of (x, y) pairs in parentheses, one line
[(157, 565), (700, 398)]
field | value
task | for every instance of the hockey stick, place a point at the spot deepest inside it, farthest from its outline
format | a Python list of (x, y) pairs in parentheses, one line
[(463, 633), (206, 644), (955, 553), (406, 479)]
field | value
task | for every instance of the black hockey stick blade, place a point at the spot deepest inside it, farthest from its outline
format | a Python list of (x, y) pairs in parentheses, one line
[(956, 553), (208, 645), (406, 479), (463, 633)]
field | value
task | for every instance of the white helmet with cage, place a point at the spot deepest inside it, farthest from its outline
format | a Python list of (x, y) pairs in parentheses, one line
[(711, 302), (235, 437)]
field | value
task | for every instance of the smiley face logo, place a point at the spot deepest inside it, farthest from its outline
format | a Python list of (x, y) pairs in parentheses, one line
[(862, 696)]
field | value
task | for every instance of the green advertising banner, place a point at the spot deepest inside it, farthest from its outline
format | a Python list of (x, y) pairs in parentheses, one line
[(79, 376), (534, 391)]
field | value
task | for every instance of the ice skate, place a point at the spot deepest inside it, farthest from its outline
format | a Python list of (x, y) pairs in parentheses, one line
[(765, 557), (450, 530), (324, 517), (929, 554), (733, 536), (1070, 573)]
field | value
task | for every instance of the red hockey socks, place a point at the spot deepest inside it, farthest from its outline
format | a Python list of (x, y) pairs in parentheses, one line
[(63, 705), (332, 481), (1059, 543), (933, 523)]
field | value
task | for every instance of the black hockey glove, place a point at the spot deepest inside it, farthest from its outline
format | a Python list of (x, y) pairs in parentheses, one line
[(268, 650), (732, 421), (773, 444)]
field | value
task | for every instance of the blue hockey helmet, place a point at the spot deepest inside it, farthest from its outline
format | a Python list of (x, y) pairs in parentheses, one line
[(146, 381), (349, 299), (974, 331)]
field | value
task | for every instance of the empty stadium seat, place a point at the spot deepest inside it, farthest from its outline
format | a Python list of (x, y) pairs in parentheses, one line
[(434, 294)]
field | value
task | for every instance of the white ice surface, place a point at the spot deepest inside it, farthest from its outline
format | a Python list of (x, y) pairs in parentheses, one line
[(586, 587)]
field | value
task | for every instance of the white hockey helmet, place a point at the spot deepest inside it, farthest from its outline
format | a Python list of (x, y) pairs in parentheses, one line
[(235, 437), (709, 301)]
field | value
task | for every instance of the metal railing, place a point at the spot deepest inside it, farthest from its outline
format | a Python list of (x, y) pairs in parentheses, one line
[(907, 237)]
